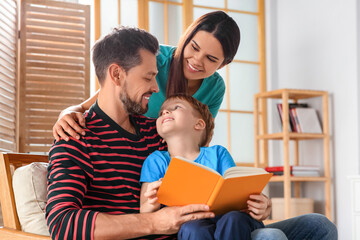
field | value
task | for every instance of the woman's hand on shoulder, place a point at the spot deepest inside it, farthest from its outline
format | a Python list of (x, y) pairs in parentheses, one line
[(69, 123)]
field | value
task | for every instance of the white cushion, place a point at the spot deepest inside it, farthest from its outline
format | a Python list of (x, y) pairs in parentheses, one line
[(30, 190)]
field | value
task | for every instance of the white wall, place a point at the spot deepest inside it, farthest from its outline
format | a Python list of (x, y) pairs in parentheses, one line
[(314, 44)]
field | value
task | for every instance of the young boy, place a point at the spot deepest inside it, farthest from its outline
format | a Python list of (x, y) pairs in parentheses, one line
[(187, 126)]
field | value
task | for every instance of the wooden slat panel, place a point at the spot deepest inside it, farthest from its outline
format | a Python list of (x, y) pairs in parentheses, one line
[(7, 115), (7, 109), (7, 82), (55, 93), (56, 79), (6, 19), (7, 131), (55, 25), (41, 120), (47, 106), (55, 11), (55, 18), (55, 59), (55, 52), (7, 123), (5, 31), (61, 32), (5, 146), (5, 51), (55, 39), (8, 46), (50, 72), (66, 101), (40, 134), (43, 113), (43, 149), (7, 62), (54, 67), (60, 5), (10, 102), (7, 41), (56, 46), (10, 139)]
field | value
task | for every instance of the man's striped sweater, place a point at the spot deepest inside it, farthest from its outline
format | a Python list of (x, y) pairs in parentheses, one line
[(98, 173)]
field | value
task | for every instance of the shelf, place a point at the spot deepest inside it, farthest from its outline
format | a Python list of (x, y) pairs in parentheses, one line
[(292, 136), (293, 94), (292, 184), (298, 179)]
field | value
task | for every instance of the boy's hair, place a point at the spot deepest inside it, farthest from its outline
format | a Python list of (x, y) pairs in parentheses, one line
[(203, 111), (122, 46)]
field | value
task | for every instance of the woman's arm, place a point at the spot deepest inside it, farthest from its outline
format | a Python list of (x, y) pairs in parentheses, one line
[(71, 120)]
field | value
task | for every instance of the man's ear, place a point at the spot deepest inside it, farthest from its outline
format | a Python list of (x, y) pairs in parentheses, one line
[(116, 73), (200, 124)]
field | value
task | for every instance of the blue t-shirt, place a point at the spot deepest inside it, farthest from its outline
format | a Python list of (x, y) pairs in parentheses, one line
[(211, 91), (216, 157)]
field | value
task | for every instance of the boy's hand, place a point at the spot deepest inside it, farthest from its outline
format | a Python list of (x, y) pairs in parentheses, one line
[(259, 207), (151, 192), (148, 197)]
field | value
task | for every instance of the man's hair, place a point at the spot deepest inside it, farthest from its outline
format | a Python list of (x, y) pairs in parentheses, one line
[(122, 47), (204, 112)]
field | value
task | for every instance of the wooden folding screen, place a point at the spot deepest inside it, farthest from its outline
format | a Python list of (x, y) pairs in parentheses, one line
[(8, 47), (54, 67)]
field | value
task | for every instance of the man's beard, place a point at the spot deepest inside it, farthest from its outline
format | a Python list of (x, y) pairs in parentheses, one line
[(130, 106)]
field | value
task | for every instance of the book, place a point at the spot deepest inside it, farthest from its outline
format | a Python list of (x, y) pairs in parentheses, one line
[(306, 173), (292, 120), (293, 168), (299, 171), (308, 120), (187, 182)]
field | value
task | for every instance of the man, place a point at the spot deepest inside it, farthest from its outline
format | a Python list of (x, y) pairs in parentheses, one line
[(94, 190)]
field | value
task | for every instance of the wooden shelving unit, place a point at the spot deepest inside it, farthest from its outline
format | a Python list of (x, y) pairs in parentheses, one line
[(262, 137)]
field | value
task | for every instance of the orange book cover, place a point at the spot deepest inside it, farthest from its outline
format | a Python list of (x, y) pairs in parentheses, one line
[(187, 182)]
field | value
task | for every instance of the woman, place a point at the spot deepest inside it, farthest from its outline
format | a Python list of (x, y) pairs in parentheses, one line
[(208, 44)]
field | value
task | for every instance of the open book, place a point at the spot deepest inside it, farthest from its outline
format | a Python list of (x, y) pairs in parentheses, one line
[(187, 182)]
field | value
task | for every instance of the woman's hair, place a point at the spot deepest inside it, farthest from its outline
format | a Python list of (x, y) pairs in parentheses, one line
[(122, 46), (222, 27), (199, 109)]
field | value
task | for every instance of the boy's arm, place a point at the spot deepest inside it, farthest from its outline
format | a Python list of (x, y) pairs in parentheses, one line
[(148, 198)]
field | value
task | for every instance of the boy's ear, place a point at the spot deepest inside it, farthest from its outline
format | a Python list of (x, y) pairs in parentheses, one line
[(116, 73), (200, 124)]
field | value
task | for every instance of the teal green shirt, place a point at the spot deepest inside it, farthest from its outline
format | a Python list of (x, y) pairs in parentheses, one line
[(211, 91)]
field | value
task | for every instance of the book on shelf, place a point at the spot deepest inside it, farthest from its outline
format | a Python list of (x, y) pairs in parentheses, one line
[(187, 182), (302, 119), (306, 173), (299, 171), (308, 120), (292, 120)]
